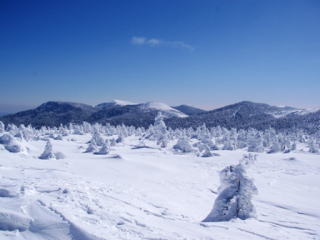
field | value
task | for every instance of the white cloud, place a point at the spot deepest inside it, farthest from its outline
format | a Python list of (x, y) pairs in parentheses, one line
[(154, 42), (138, 40)]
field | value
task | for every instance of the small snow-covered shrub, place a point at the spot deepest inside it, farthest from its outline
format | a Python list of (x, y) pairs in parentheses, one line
[(10, 143), (92, 147), (206, 153), (275, 147), (313, 147), (58, 137), (112, 142), (14, 147), (203, 150), (119, 139), (234, 196), (104, 150), (140, 145), (183, 146), (47, 153), (96, 137), (6, 138)]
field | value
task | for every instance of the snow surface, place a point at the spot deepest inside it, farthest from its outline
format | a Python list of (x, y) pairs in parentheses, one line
[(163, 108), (150, 193)]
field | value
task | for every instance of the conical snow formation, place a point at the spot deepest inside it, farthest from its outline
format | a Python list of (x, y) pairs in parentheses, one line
[(234, 196), (47, 153)]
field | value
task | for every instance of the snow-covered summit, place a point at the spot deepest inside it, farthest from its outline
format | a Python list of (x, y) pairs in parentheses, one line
[(122, 102), (114, 103), (162, 107)]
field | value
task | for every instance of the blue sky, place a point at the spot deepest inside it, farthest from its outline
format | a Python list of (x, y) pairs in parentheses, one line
[(203, 53)]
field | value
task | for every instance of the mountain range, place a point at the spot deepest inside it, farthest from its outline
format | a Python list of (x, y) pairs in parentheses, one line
[(244, 115)]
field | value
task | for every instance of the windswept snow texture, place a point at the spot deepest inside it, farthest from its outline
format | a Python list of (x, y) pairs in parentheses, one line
[(149, 193)]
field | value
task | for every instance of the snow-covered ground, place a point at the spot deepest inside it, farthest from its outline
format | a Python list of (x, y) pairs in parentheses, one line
[(150, 193)]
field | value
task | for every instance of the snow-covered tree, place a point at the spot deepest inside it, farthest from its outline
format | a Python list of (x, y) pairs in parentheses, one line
[(255, 143), (234, 195), (119, 139), (96, 137), (206, 152), (275, 147), (313, 146), (2, 127)]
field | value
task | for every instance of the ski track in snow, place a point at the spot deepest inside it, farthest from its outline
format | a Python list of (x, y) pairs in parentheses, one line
[(150, 194)]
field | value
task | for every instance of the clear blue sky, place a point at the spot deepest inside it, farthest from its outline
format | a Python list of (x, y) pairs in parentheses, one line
[(203, 53)]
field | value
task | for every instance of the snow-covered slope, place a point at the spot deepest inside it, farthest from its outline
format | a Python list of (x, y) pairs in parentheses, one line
[(189, 110), (149, 193), (164, 108), (279, 112)]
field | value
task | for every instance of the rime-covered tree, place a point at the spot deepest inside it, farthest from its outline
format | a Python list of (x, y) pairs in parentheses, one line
[(234, 195), (2, 127)]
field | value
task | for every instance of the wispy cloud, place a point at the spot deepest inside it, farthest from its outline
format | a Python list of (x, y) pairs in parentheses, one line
[(154, 42)]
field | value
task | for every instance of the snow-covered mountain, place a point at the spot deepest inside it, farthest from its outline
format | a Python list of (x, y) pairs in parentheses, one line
[(239, 115)]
